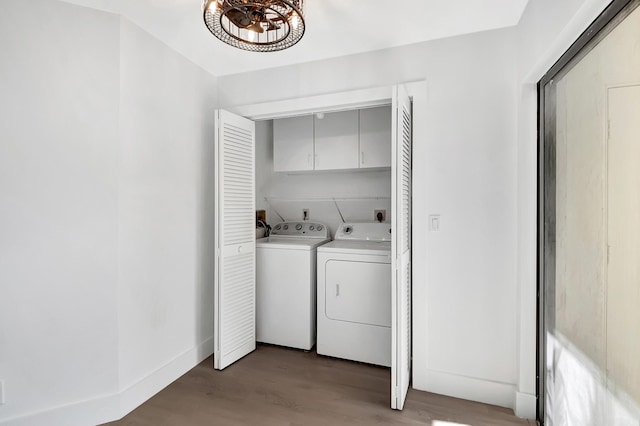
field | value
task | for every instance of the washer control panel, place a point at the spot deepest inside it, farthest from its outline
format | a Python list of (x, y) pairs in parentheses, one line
[(299, 229)]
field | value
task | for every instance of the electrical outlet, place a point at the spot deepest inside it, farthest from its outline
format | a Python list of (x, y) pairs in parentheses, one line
[(305, 214), (380, 215), (2, 398)]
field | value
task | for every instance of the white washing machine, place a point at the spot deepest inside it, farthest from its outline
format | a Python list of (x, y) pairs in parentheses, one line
[(286, 284), (354, 294)]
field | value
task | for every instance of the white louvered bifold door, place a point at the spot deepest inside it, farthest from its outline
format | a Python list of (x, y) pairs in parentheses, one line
[(235, 278), (401, 247)]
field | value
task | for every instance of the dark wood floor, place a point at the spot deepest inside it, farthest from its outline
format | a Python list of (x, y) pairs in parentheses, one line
[(277, 386)]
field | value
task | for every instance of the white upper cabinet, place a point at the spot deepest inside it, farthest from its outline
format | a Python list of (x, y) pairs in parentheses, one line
[(293, 144), (375, 137), (336, 141), (355, 139)]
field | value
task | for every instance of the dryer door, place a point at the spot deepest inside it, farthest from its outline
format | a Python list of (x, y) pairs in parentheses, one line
[(358, 292)]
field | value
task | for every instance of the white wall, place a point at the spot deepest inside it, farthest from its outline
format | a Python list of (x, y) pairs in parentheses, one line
[(165, 214), (358, 193), (465, 336), (58, 205), (105, 157)]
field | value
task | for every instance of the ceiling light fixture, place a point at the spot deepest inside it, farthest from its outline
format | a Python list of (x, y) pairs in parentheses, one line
[(255, 25)]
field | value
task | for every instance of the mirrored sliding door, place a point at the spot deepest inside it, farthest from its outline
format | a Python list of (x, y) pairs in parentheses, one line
[(590, 228)]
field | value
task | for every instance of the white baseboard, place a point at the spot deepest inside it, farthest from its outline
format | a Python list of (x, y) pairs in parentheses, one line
[(117, 405), (473, 389), (92, 412), (526, 405), (134, 395)]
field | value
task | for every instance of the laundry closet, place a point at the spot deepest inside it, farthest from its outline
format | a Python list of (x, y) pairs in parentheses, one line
[(322, 176), (341, 174)]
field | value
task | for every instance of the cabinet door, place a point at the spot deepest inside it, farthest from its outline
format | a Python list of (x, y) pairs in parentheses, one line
[(336, 141), (293, 144), (375, 137)]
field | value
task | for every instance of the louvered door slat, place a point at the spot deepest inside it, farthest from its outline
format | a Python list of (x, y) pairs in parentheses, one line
[(401, 248), (235, 239)]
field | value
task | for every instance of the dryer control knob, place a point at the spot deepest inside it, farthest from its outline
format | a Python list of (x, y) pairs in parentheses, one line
[(298, 227), (311, 227), (285, 227), (320, 227)]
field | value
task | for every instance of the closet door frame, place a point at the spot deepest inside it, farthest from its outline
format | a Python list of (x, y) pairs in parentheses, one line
[(357, 99)]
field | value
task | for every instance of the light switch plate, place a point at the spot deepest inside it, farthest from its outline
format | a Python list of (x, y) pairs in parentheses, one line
[(434, 222)]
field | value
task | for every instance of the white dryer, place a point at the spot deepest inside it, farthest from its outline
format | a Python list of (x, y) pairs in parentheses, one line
[(354, 294), (286, 284)]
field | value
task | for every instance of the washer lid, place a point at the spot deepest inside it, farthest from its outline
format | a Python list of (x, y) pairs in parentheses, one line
[(381, 248), (287, 243)]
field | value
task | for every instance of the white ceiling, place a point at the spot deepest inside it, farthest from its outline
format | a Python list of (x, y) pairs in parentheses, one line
[(334, 27)]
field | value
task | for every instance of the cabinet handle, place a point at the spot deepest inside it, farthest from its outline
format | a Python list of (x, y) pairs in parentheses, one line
[(361, 157), (317, 162), (337, 290)]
